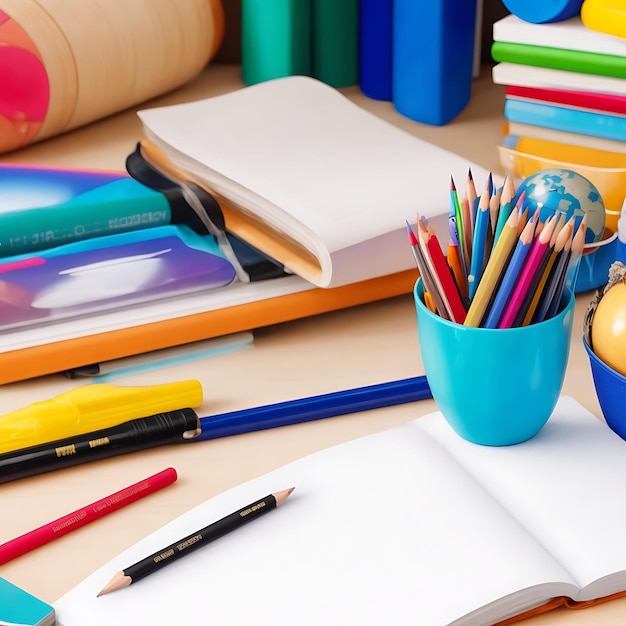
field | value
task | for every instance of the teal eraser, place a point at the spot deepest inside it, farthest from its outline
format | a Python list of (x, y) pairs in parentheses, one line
[(17, 607)]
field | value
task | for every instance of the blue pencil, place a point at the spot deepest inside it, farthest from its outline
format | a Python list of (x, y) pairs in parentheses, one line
[(314, 408), (479, 240), (511, 273)]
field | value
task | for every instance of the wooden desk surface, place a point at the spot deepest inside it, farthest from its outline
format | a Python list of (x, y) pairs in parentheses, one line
[(351, 348)]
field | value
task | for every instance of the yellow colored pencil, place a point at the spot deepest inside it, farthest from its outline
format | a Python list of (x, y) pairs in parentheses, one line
[(493, 271)]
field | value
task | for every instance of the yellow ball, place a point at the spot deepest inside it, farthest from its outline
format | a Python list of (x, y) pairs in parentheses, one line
[(608, 328)]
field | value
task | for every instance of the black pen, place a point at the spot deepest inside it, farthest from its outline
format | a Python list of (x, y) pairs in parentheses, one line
[(147, 432), (188, 544)]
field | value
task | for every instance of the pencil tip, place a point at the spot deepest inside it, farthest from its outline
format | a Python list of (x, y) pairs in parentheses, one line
[(281, 496), (119, 581)]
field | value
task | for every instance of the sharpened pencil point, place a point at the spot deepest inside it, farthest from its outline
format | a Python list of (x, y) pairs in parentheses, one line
[(281, 496), (119, 581)]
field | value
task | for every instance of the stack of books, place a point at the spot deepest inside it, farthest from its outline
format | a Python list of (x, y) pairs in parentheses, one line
[(565, 83)]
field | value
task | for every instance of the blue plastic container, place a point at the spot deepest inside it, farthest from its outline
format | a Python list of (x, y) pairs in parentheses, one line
[(433, 57), (611, 391), (495, 387), (544, 11)]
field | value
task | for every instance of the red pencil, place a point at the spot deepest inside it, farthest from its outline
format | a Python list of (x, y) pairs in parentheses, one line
[(48, 532), (449, 291)]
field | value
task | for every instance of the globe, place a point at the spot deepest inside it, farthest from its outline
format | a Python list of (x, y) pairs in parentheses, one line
[(564, 191)]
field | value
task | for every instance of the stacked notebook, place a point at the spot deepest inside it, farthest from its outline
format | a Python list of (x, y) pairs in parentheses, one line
[(564, 83)]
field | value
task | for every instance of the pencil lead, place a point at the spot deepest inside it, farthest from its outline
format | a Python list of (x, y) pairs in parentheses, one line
[(452, 185)]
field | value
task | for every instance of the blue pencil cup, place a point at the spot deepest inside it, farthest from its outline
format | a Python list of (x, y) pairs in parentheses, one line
[(495, 387)]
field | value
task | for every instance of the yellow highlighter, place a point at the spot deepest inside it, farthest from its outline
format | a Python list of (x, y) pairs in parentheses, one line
[(90, 408)]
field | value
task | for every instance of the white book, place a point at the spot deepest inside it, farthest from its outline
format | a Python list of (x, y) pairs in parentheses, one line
[(307, 176), (413, 525), (570, 34), (547, 78)]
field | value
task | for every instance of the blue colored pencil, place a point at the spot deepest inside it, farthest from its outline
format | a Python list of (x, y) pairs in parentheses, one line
[(511, 273), (479, 240), (314, 408)]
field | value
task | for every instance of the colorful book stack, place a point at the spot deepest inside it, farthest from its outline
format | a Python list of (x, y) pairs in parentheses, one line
[(504, 267), (564, 82)]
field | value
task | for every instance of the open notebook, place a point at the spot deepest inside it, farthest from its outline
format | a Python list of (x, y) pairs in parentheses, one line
[(412, 525)]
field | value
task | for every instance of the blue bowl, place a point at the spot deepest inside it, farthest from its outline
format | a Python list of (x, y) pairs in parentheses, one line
[(611, 391), (495, 387)]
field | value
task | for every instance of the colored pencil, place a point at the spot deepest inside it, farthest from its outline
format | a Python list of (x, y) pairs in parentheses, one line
[(494, 210), (506, 205), (314, 408), (450, 294), (554, 280), (562, 232), (578, 245), (200, 538), (574, 253), (468, 230), (472, 197), (457, 210), (85, 515), (521, 313), (493, 271), (438, 293), (432, 299), (455, 259), (562, 253), (537, 253), (511, 273), (481, 226)]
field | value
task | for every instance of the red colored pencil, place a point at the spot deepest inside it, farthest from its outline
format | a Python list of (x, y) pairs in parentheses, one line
[(53, 530), (450, 293)]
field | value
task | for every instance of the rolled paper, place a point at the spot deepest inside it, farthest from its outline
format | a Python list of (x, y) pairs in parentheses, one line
[(64, 65)]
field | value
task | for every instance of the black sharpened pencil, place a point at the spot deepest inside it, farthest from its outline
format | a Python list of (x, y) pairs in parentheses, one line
[(188, 544)]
